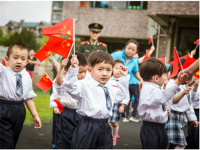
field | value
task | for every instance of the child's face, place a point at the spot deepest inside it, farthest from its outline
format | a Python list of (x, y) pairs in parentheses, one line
[(82, 72), (131, 49), (116, 70), (101, 72), (18, 59), (161, 80)]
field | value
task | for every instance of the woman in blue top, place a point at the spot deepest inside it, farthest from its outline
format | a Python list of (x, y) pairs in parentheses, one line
[(131, 48)]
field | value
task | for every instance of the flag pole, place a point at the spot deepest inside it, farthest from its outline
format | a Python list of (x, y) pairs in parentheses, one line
[(48, 76), (74, 33), (195, 83), (196, 46), (152, 40), (64, 67), (5, 62), (52, 56), (179, 60)]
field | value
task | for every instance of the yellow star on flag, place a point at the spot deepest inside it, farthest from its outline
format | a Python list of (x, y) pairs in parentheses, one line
[(68, 44), (68, 32)]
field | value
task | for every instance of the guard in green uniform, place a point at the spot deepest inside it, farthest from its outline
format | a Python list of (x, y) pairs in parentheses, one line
[(93, 44)]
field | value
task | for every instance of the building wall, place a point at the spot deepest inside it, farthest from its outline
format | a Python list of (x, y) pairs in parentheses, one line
[(117, 23), (173, 7)]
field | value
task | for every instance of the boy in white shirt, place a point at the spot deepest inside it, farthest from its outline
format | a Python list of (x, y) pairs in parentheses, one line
[(16, 88), (152, 109), (95, 99), (69, 118)]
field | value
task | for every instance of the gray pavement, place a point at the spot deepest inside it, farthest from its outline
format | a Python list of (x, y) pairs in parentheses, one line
[(31, 138)]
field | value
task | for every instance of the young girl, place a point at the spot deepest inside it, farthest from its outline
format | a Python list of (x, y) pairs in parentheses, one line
[(118, 108)]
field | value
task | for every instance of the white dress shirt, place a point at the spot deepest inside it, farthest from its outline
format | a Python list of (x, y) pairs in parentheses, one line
[(91, 97), (113, 81), (151, 100), (195, 98), (8, 84), (183, 105), (64, 98)]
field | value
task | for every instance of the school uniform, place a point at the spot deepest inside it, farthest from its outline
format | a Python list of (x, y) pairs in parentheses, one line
[(116, 116), (152, 111), (67, 120), (95, 105), (174, 126), (191, 139), (133, 81), (16, 87)]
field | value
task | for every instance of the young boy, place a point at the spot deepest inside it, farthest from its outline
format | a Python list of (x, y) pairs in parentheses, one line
[(95, 99), (152, 109), (16, 87), (69, 118), (118, 108)]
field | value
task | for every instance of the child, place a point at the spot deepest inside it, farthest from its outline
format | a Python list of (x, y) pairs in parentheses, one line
[(152, 109), (95, 99), (69, 118), (118, 108), (16, 87), (194, 96)]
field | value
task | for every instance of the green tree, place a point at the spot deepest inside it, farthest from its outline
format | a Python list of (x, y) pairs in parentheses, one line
[(26, 37)]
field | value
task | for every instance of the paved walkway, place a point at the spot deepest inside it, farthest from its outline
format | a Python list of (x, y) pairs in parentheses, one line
[(31, 138)]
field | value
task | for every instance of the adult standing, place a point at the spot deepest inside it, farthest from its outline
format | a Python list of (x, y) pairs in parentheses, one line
[(93, 44), (32, 62), (131, 48)]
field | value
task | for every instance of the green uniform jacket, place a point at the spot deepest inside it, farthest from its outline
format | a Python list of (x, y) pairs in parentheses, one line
[(86, 47)]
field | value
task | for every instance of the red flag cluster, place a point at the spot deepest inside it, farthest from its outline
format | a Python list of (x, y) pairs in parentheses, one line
[(196, 42), (150, 40), (197, 74), (147, 55)]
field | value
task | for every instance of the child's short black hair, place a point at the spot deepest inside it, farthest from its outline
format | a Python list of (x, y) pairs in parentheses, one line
[(133, 41), (118, 61), (19, 45), (100, 56), (81, 59), (151, 67)]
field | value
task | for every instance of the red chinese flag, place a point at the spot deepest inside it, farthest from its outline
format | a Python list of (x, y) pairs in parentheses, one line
[(150, 40), (147, 55), (60, 106), (42, 54), (197, 74), (163, 60), (64, 27), (175, 67), (187, 63), (4, 63), (44, 83), (196, 42), (59, 45), (185, 56)]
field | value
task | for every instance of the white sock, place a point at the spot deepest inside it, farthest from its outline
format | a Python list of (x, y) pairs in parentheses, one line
[(179, 147), (114, 131), (117, 129)]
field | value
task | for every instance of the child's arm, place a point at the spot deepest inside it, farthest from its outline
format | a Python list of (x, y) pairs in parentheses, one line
[(137, 75), (151, 51), (180, 95), (59, 77), (122, 93), (31, 106), (191, 116), (70, 82)]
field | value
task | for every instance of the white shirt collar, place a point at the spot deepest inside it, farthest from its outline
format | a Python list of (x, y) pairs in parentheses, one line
[(14, 73), (151, 84), (94, 82)]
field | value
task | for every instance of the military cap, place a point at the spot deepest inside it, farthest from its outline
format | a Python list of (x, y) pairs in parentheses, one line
[(95, 27)]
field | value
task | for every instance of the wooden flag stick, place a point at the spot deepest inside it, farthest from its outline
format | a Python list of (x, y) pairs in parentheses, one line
[(196, 46), (179, 60)]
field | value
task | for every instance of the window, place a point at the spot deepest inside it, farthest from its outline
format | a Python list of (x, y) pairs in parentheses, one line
[(57, 4), (57, 18), (134, 5), (137, 5)]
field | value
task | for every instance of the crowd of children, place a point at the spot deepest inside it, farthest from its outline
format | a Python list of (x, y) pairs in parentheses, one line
[(95, 91)]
